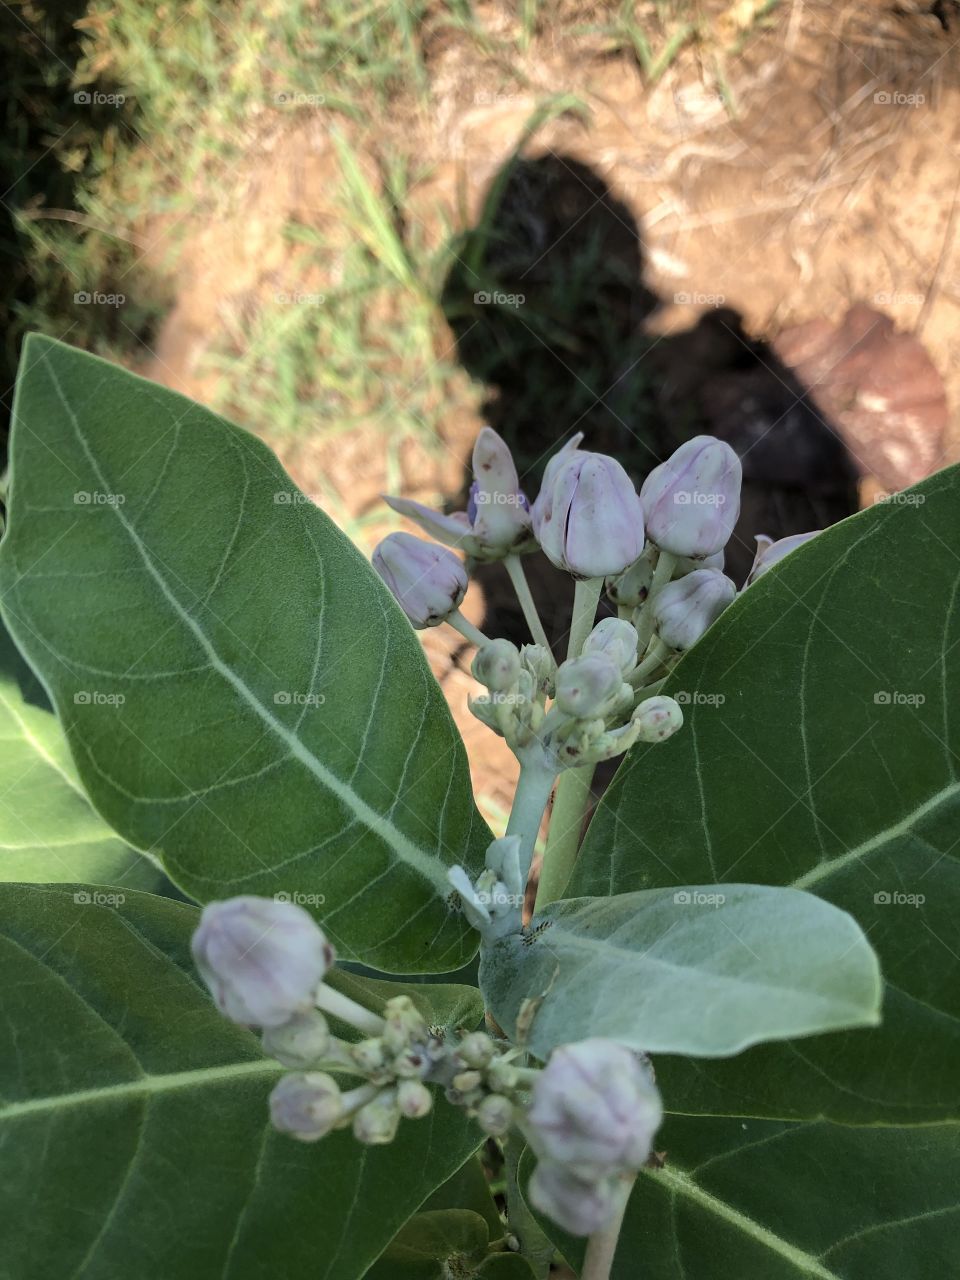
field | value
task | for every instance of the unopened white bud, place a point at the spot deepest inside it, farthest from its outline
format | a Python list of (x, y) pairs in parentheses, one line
[(307, 1106), (580, 1205), (301, 1042), (262, 959), (658, 718), (588, 518), (617, 640), (594, 1107), (502, 1076), (404, 1024), (467, 1081), (692, 500), (494, 1115), (427, 580), (414, 1099), (370, 1056), (683, 610)]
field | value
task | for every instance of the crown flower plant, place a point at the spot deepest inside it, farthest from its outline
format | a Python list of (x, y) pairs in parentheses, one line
[(273, 966)]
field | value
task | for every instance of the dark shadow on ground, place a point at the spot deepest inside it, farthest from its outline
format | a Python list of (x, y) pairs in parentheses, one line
[(550, 310)]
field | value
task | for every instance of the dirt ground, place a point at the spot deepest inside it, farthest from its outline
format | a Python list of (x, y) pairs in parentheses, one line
[(794, 200)]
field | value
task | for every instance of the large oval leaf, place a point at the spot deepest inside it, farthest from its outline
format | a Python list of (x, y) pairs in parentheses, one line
[(772, 1201), (699, 971), (134, 1118), (240, 691), (48, 828)]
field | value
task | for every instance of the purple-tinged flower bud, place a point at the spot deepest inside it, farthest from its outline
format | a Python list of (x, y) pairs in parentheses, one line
[(301, 1042), (658, 718), (414, 1099), (554, 465), (595, 1108), (692, 500), (495, 1114), (262, 959), (306, 1106), (770, 553), (428, 581), (497, 665), (586, 686), (497, 521), (578, 1204), (588, 519), (376, 1123), (617, 640), (630, 589), (683, 610), (498, 509)]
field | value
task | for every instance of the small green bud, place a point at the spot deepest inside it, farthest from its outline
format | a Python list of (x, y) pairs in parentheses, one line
[(376, 1123), (404, 1024), (301, 1042), (467, 1081), (476, 1049), (587, 685), (306, 1107), (370, 1056), (617, 640), (539, 662), (502, 1077), (658, 718), (497, 665)]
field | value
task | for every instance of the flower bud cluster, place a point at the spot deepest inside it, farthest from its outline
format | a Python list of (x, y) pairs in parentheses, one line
[(593, 1115)]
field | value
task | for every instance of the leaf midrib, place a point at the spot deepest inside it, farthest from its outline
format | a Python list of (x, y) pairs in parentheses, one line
[(142, 1086), (408, 852)]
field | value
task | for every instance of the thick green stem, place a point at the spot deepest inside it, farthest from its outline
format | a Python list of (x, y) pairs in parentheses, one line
[(514, 567), (602, 1245), (654, 659), (563, 840), (467, 629), (529, 805), (586, 596), (534, 1245), (347, 1010), (661, 576)]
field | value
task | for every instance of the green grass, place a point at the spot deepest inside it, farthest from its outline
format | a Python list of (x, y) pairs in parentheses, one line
[(206, 85)]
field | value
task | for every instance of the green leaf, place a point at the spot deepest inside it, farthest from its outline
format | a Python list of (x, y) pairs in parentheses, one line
[(765, 1200), (820, 751), (258, 711), (697, 971), (48, 829), (428, 1242), (141, 1115)]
